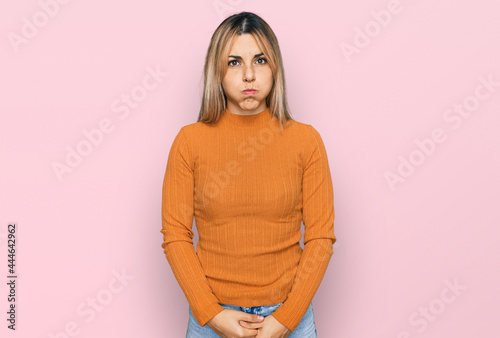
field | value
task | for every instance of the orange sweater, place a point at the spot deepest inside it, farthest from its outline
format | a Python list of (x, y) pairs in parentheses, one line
[(249, 186)]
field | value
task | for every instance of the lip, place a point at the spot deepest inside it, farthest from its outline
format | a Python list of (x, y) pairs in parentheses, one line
[(250, 91)]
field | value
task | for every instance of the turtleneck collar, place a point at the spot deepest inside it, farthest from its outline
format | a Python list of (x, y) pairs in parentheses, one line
[(247, 121)]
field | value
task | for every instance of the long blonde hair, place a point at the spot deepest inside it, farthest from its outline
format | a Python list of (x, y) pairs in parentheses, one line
[(214, 101)]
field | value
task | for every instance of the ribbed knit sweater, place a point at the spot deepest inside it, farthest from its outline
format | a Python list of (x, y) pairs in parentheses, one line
[(249, 185)]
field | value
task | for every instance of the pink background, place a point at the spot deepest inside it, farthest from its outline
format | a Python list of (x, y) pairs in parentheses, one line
[(399, 249)]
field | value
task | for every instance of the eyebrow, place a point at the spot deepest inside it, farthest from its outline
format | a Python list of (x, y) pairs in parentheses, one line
[(239, 57)]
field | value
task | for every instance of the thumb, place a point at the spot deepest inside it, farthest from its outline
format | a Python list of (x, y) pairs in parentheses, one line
[(252, 318)]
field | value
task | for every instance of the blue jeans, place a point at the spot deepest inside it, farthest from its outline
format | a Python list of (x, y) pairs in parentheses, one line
[(305, 329)]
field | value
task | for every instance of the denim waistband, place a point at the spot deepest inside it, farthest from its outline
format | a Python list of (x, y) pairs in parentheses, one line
[(264, 310)]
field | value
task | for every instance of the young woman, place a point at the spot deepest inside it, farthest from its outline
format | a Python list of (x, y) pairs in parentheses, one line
[(250, 175)]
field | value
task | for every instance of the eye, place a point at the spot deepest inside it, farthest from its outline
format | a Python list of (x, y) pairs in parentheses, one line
[(262, 59), (230, 63)]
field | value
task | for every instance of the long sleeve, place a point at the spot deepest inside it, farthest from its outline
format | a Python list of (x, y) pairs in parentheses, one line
[(318, 217), (177, 220)]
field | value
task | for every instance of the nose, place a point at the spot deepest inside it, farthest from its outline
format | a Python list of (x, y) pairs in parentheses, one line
[(248, 74)]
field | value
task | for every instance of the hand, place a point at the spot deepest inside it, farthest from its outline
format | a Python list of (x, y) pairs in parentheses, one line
[(269, 328), (227, 324)]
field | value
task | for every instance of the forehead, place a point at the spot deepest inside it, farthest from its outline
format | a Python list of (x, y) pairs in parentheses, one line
[(244, 45)]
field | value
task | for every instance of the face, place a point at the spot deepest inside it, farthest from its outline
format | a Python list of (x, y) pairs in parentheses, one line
[(247, 69)]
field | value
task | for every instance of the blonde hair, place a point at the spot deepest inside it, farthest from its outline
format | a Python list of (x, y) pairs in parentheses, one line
[(214, 101)]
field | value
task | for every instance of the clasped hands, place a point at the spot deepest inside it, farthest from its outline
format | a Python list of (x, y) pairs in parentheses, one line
[(231, 323)]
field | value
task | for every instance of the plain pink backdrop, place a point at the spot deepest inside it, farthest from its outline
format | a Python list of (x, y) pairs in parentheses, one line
[(371, 76)]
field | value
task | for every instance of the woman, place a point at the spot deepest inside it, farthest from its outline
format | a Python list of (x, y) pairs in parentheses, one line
[(249, 174)]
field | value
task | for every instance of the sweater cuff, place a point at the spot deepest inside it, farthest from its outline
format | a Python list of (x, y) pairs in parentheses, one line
[(207, 313)]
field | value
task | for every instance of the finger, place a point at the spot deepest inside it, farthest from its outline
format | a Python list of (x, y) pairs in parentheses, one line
[(251, 325), (252, 318)]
